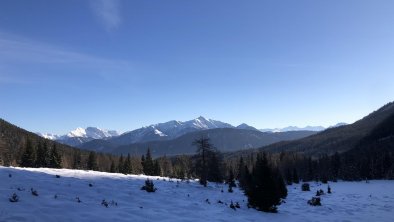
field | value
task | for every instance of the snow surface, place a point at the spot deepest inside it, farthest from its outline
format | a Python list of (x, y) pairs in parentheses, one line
[(174, 201)]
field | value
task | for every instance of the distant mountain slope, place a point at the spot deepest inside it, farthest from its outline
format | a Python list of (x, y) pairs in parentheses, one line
[(225, 139), (294, 128), (80, 135), (167, 131), (13, 140), (245, 126), (339, 139)]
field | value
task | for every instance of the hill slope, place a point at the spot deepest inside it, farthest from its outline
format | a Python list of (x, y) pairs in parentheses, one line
[(13, 140), (338, 139)]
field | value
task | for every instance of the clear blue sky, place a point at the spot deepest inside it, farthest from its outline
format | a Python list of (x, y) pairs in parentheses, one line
[(125, 64)]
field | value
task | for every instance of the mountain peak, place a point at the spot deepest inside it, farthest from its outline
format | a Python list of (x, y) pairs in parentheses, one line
[(246, 127), (201, 118)]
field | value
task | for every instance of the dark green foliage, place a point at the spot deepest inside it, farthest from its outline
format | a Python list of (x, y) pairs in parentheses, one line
[(208, 163), (281, 185), (14, 198), (147, 164), (266, 187), (112, 167), (121, 165), (42, 159), (231, 180), (241, 167), (149, 186), (305, 187), (29, 156), (157, 169), (55, 160), (127, 168), (92, 161), (289, 177), (77, 159), (335, 165), (296, 180), (315, 201)]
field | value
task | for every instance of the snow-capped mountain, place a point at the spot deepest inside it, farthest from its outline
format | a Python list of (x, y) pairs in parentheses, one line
[(168, 130), (92, 132), (295, 128), (307, 128), (49, 136), (81, 135)]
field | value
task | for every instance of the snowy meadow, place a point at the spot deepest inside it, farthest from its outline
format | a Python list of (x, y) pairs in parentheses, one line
[(78, 195)]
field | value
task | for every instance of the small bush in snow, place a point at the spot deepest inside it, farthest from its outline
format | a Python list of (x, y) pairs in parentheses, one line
[(9, 175), (34, 192), (305, 187), (315, 201), (319, 192), (232, 206), (14, 198), (328, 189), (104, 203), (149, 186), (230, 189), (78, 200), (90, 185), (57, 176)]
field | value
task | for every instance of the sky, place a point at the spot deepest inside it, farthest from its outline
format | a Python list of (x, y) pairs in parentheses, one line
[(127, 64)]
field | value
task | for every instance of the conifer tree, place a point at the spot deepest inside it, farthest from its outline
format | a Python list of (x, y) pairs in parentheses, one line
[(148, 164), (241, 167), (92, 161), (296, 180), (208, 165), (264, 192), (157, 169), (335, 166), (231, 180), (42, 159), (55, 160), (245, 180), (29, 156), (280, 185), (215, 166), (120, 164), (112, 168), (127, 165), (77, 159), (289, 177)]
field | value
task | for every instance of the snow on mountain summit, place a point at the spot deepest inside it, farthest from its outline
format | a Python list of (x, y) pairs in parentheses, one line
[(168, 130), (78, 132), (92, 132)]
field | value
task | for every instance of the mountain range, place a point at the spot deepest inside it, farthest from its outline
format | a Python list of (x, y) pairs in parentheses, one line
[(335, 139), (174, 137), (156, 132), (224, 139), (81, 135)]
